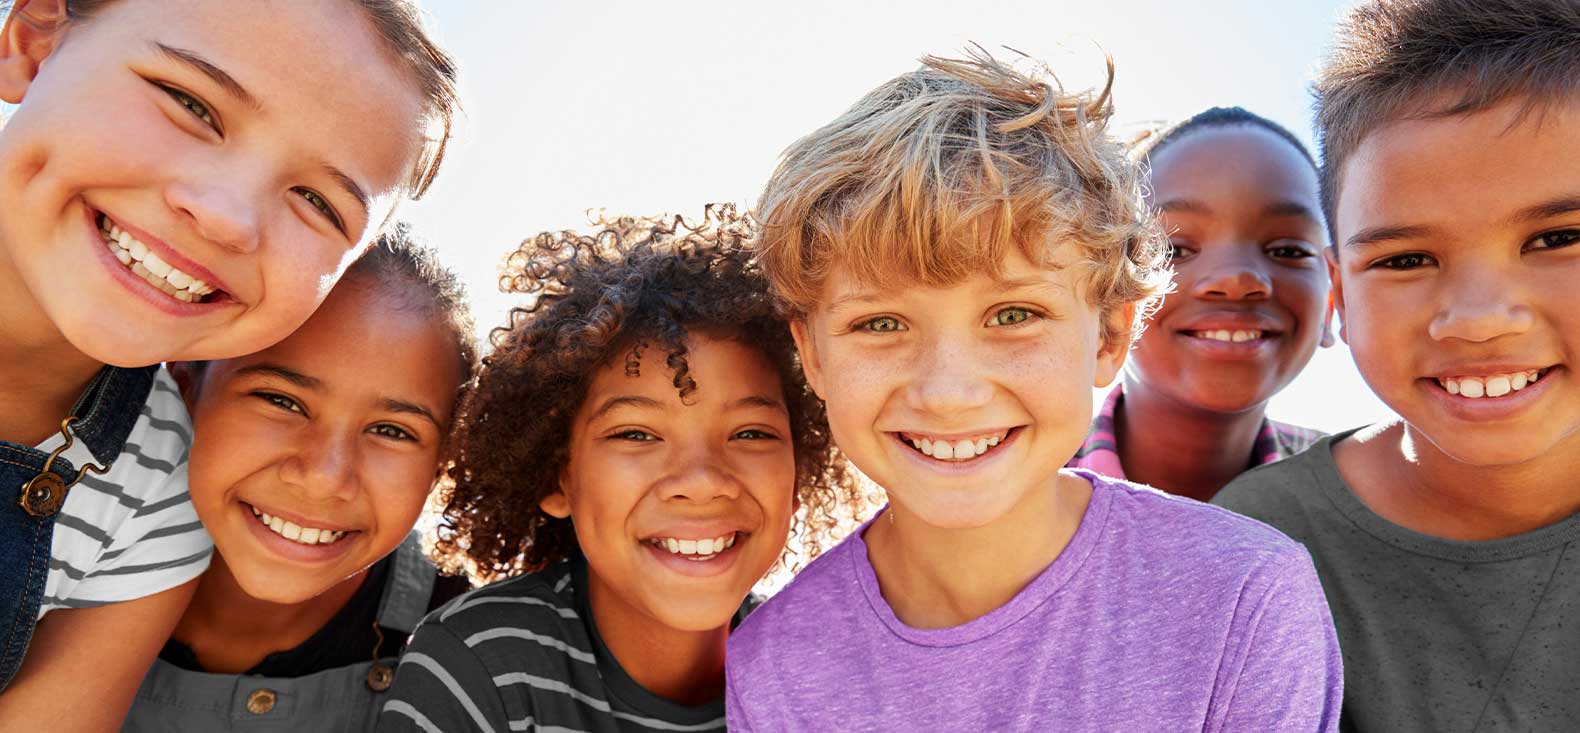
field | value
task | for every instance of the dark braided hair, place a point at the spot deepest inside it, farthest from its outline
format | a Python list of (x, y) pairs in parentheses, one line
[(638, 283), (1153, 142)]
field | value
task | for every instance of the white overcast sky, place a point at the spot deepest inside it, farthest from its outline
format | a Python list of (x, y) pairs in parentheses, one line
[(644, 107)]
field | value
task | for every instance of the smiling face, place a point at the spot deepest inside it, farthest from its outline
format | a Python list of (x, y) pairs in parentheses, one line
[(187, 178), (304, 468), (680, 506), (1455, 272), (1250, 305), (959, 401)]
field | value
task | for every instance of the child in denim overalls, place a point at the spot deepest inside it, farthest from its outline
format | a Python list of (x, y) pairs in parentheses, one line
[(179, 183), (309, 469)]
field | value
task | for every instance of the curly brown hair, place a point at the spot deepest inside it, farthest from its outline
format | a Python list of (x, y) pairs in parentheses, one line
[(637, 283)]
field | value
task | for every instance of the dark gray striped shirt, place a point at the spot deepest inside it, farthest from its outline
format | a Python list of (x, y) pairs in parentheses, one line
[(522, 654)]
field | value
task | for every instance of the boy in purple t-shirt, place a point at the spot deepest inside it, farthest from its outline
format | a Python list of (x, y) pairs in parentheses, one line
[(964, 253)]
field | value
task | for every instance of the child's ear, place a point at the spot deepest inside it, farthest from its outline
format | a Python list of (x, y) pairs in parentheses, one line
[(806, 346), (1111, 354), (557, 504), (1335, 298), (32, 31)]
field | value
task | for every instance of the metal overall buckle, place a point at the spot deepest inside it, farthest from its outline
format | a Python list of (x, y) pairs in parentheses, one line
[(43, 494)]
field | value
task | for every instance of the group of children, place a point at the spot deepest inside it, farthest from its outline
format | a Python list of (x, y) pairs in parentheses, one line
[(928, 291)]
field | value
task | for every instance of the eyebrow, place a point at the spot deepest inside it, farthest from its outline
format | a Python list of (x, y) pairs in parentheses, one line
[(349, 185), (759, 401), (613, 403), (401, 406), (1378, 235), (274, 370), (208, 69), (1189, 206), (1285, 208), (1550, 208)]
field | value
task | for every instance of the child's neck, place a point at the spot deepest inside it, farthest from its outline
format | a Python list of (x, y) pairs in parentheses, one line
[(686, 667), (1184, 450), (935, 578), (1401, 476), (230, 631), (41, 374)]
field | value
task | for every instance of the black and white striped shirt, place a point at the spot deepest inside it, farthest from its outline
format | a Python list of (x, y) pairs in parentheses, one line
[(521, 654), (131, 532)]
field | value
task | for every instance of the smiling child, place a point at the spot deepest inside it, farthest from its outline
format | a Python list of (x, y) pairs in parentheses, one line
[(1450, 134), (638, 444), (1237, 194), (182, 179), (964, 252), (309, 469)]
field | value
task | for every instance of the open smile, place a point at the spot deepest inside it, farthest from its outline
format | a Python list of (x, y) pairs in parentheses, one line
[(696, 550), (141, 260), (1491, 386), (957, 448)]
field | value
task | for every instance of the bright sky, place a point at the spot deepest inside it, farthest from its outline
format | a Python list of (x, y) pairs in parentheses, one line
[(642, 107)]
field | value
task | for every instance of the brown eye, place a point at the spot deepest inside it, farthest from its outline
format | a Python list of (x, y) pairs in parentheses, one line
[(193, 105), (317, 201)]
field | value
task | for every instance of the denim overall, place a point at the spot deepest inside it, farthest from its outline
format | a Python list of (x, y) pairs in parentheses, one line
[(340, 699), (106, 413)]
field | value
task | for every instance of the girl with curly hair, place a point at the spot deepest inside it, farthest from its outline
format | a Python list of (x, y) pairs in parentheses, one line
[(636, 452)]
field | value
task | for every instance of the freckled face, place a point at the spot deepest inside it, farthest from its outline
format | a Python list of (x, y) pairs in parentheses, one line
[(959, 401), (1458, 255), (156, 213), (652, 477), (308, 464), (1243, 213)]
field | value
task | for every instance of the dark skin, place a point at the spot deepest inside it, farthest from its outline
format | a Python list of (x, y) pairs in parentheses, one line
[(1250, 307)]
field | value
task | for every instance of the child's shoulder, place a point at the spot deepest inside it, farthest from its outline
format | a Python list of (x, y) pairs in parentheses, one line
[(544, 599), (1175, 529), (826, 587)]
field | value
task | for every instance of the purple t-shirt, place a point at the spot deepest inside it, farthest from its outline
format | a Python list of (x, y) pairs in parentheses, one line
[(1162, 614)]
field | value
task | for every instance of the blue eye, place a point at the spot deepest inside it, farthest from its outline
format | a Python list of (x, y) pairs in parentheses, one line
[(881, 324), (1011, 317)]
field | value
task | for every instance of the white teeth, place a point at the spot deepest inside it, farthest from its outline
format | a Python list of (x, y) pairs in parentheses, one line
[(136, 255), (1230, 336), (296, 533), (958, 450), (703, 549), (1494, 385)]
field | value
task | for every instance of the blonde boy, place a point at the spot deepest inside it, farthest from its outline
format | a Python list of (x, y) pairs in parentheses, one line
[(963, 254)]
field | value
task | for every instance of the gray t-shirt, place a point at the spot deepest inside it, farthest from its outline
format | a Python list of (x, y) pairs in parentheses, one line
[(1437, 635)]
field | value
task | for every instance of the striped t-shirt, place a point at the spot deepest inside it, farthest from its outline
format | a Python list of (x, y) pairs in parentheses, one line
[(522, 654), (131, 532)]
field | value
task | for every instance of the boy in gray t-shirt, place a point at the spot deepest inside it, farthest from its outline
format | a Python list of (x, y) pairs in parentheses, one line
[(1451, 177)]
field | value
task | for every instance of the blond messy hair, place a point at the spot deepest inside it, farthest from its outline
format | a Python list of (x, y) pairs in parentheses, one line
[(939, 173)]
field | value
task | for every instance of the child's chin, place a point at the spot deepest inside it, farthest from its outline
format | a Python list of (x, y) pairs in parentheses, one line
[(286, 589)]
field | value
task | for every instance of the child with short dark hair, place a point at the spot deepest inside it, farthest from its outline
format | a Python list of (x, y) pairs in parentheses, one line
[(1450, 133), (311, 461), (1238, 195), (181, 179), (964, 252), (638, 445)]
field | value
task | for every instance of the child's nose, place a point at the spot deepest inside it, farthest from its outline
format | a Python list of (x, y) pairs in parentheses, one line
[(322, 466), (700, 475), (1231, 277), (1480, 308), (947, 379), (220, 213)]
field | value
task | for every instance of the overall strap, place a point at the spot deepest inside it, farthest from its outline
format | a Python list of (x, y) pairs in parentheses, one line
[(410, 585)]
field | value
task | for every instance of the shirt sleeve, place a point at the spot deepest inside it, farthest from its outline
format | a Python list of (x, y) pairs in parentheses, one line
[(1288, 673), (441, 685), (156, 547)]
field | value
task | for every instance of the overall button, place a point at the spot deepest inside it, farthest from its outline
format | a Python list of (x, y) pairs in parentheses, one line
[(260, 702), (380, 676)]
